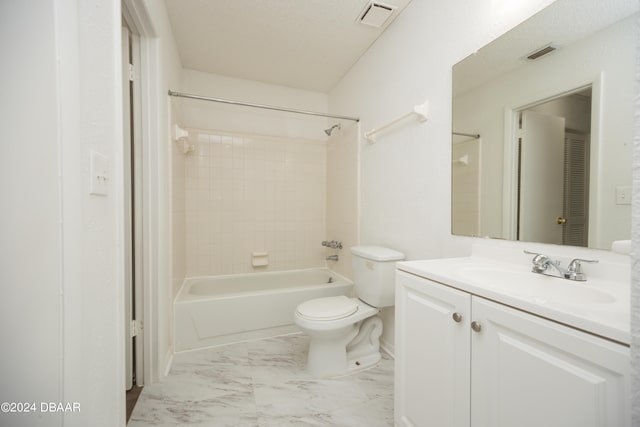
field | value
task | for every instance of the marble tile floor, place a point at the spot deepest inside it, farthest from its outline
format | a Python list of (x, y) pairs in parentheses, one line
[(263, 383)]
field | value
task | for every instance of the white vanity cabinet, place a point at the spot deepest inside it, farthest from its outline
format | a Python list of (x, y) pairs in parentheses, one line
[(462, 360)]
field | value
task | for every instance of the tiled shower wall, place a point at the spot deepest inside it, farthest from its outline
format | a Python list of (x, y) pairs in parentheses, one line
[(248, 193), (465, 184), (342, 196)]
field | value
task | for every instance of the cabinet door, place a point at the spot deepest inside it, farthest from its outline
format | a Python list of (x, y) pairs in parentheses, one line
[(531, 372), (432, 354)]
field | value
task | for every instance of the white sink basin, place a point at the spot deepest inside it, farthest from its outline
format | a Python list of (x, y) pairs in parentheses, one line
[(537, 288), (599, 306)]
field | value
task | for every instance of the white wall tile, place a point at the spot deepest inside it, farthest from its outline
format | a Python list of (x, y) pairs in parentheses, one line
[(253, 194)]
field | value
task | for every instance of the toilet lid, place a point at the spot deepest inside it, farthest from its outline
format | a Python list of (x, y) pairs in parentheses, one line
[(329, 308)]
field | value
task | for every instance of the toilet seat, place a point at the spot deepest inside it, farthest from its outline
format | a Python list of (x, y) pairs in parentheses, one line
[(329, 308)]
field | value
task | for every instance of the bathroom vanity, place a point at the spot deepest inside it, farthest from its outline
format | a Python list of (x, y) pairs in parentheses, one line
[(486, 343)]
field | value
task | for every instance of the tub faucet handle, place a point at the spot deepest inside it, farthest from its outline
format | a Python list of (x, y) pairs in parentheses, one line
[(333, 244)]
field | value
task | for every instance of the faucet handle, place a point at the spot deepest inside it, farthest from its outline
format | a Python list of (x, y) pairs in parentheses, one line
[(531, 253), (540, 261), (538, 258), (574, 270)]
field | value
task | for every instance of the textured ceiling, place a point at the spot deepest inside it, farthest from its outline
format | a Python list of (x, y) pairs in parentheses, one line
[(305, 44)]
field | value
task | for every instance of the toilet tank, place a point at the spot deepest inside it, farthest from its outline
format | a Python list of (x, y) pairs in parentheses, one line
[(374, 274)]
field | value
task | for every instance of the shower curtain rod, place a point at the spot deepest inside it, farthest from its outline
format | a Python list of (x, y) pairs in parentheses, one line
[(267, 107), (470, 135)]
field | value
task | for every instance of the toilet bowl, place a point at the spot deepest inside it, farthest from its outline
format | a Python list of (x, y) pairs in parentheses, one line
[(333, 325), (344, 333)]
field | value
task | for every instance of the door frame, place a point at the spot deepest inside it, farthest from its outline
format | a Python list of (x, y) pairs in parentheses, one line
[(134, 224), (128, 238), (150, 253), (511, 153)]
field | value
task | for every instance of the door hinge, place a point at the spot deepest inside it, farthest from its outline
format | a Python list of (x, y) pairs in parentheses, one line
[(135, 328), (132, 73), (520, 130)]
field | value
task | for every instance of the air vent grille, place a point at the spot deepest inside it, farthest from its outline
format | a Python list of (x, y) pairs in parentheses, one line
[(539, 53), (376, 14)]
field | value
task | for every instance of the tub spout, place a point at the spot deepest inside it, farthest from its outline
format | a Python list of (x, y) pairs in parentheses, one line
[(332, 258)]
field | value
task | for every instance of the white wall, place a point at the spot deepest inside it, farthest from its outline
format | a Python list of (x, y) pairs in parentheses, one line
[(32, 238), (405, 175), (62, 248), (635, 257), (231, 118), (62, 308)]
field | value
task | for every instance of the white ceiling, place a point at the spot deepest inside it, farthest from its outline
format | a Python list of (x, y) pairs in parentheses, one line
[(305, 44)]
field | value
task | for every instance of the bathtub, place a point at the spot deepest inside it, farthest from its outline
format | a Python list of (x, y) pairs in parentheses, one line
[(215, 310)]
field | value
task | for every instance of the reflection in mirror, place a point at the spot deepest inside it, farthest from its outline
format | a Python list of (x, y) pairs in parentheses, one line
[(553, 152), (541, 148)]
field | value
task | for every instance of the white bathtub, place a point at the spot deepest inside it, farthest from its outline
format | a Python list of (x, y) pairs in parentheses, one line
[(210, 311)]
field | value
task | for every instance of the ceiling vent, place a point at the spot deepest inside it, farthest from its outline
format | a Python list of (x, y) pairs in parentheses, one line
[(375, 14), (539, 53)]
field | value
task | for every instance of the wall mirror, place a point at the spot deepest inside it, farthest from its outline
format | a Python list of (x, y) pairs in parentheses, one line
[(542, 128)]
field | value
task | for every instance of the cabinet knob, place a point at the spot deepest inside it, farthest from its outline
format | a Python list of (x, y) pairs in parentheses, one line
[(476, 326), (457, 317)]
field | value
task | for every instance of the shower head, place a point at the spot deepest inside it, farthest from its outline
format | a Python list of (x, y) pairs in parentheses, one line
[(328, 131)]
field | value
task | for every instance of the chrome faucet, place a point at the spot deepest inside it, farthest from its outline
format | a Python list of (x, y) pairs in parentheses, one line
[(333, 244), (332, 258), (574, 272), (541, 264)]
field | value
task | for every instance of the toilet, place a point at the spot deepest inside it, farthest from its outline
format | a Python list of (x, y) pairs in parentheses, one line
[(344, 333)]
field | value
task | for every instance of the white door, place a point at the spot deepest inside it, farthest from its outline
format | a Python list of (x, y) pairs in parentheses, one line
[(531, 372), (541, 178), (432, 354)]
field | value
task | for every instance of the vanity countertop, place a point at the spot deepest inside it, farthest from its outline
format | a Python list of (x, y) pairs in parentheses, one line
[(598, 306)]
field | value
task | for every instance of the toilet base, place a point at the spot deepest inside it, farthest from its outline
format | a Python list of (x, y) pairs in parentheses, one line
[(364, 350), (363, 362), (344, 351)]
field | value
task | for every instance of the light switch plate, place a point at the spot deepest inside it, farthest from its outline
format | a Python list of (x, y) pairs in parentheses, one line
[(98, 174), (623, 195)]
